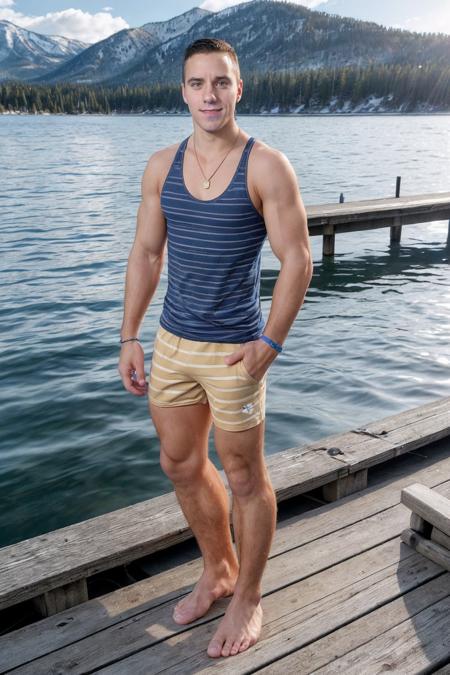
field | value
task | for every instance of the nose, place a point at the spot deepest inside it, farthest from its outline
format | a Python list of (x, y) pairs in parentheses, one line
[(208, 94)]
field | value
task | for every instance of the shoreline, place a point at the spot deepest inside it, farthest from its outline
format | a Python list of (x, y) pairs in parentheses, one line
[(263, 114)]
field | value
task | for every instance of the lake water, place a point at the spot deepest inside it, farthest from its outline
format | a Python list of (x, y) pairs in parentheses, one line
[(372, 338)]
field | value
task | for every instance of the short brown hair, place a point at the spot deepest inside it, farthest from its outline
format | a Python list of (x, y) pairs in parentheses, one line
[(206, 45)]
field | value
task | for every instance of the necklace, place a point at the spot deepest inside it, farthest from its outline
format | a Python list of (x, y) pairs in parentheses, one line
[(207, 182)]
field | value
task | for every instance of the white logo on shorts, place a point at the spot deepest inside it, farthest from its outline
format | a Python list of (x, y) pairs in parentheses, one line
[(247, 408)]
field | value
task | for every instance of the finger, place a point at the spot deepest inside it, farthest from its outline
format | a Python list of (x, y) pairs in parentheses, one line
[(132, 384), (140, 378), (131, 387), (235, 356)]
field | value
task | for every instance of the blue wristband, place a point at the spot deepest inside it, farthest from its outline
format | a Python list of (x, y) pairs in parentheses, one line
[(271, 343)]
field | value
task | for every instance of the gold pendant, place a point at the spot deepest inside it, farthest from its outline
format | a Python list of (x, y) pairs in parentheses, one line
[(206, 184)]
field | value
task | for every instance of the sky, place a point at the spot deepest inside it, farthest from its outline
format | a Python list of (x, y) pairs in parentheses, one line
[(93, 20)]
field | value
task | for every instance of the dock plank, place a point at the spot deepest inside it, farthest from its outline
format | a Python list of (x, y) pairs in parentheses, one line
[(323, 654), (366, 213), (400, 433), (445, 670), (150, 627), (413, 646)]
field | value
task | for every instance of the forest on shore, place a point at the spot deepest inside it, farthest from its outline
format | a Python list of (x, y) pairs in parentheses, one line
[(405, 87)]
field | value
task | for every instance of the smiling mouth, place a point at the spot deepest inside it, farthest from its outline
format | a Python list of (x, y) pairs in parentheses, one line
[(207, 110)]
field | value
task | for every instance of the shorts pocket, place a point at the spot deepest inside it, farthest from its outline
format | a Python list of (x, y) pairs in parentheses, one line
[(245, 371)]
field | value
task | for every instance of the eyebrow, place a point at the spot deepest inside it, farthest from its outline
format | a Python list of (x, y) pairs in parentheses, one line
[(200, 79)]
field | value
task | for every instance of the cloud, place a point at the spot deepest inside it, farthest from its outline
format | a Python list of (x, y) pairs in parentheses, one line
[(71, 23)]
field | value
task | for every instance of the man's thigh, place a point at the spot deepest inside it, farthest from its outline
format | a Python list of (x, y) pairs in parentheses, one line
[(177, 402), (183, 431)]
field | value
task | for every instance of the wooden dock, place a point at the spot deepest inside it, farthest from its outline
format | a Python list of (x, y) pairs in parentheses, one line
[(327, 220), (342, 591)]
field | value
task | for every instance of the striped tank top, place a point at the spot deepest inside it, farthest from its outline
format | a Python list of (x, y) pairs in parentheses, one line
[(214, 259)]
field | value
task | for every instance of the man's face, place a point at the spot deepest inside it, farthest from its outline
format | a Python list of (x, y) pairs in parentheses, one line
[(211, 89)]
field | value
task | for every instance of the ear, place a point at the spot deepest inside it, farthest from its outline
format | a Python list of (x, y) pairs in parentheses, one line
[(240, 89), (182, 93)]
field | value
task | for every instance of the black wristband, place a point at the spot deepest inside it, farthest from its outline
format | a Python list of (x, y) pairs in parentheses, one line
[(136, 339)]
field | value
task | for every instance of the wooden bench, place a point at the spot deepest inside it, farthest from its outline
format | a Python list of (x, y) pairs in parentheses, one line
[(52, 569), (429, 531)]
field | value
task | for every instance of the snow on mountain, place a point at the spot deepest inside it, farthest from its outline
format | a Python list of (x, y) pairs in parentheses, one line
[(110, 57), (271, 36), (24, 53), (104, 59), (165, 30)]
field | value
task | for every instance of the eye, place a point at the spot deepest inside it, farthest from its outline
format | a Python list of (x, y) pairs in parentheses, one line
[(223, 83)]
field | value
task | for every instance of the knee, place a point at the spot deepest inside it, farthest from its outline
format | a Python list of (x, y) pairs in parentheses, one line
[(245, 482), (181, 469)]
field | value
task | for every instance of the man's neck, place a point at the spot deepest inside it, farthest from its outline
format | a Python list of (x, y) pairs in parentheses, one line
[(215, 143)]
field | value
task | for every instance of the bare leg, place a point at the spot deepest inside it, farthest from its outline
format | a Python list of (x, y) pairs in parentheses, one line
[(183, 432), (254, 521), (237, 528)]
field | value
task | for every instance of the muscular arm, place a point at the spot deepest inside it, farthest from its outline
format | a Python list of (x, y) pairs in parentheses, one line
[(287, 230), (145, 262), (146, 257)]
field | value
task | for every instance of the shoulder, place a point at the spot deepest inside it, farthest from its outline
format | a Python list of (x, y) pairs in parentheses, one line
[(268, 158), (160, 158), (271, 170), (158, 165)]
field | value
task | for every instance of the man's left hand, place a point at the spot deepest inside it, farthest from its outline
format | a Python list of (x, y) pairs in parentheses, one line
[(256, 355)]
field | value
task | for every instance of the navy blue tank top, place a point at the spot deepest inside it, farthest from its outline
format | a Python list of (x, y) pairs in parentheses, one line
[(214, 259)]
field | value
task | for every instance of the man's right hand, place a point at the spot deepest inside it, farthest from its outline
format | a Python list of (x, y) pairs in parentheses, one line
[(131, 368)]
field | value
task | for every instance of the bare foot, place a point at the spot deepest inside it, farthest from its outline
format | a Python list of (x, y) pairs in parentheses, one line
[(239, 629), (206, 591)]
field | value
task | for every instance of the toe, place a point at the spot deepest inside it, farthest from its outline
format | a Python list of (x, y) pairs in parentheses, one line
[(178, 615), (244, 645), (227, 647), (181, 617), (179, 607), (235, 647), (215, 647)]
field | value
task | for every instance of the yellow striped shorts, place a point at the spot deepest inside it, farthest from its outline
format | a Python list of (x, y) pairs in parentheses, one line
[(184, 372)]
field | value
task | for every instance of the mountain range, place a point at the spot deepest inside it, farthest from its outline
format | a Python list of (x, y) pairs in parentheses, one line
[(268, 36), (24, 53)]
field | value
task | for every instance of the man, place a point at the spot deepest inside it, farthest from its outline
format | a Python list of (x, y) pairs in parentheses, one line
[(214, 198)]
